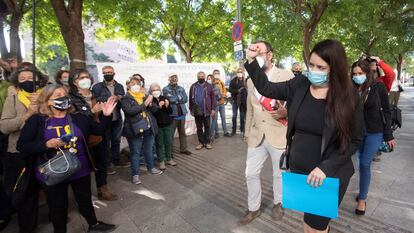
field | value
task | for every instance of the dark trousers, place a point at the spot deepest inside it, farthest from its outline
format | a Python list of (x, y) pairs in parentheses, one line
[(242, 109), (27, 210), (57, 200), (203, 129), (100, 154), (114, 138), (180, 126)]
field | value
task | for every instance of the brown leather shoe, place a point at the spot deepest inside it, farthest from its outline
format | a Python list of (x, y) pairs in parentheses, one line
[(105, 195), (249, 216), (277, 212)]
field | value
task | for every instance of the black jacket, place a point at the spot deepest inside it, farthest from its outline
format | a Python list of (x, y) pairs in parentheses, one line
[(377, 113), (333, 162), (31, 141), (132, 111), (80, 104), (163, 115), (235, 85), (101, 92)]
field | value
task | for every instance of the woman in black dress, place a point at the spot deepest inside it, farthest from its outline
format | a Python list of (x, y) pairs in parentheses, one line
[(324, 118)]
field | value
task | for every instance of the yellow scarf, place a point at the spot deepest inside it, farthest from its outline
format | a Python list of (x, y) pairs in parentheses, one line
[(24, 96), (139, 98)]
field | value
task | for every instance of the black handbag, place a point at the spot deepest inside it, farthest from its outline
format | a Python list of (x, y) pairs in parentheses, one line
[(61, 166), (400, 88), (140, 126), (284, 161)]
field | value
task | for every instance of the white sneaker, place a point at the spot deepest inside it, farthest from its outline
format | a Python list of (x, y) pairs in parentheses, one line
[(172, 162), (136, 180), (155, 171)]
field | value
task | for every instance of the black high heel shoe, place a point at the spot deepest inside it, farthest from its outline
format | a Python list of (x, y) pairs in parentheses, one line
[(360, 212)]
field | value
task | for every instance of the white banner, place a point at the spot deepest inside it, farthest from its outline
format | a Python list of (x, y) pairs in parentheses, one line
[(158, 73)]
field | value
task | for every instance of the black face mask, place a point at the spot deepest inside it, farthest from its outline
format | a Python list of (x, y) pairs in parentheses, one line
[(108, 77), (28, 86), (296, 73), (201, 80), (62, 103)]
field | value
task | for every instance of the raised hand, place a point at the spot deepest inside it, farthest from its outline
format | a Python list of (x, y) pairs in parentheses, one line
[(109, 106), (252, 52)]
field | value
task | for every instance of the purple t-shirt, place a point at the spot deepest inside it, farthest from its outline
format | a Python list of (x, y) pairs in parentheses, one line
[(57, 127)]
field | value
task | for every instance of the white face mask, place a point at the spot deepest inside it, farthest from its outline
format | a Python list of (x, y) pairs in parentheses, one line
[(209, 81), (136, 88), (84, 83), (239, 75), (156, 94)]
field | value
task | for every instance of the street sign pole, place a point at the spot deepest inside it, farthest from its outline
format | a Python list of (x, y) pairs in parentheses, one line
[(239, 19)]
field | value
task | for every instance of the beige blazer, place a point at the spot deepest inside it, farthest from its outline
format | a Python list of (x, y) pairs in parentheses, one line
[(11, 118), (259, 122)]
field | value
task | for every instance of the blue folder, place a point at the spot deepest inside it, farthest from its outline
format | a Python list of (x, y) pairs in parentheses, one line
[(299, 195)]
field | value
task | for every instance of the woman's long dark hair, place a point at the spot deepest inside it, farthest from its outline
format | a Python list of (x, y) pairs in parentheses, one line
[(365, 67), (340, 105)]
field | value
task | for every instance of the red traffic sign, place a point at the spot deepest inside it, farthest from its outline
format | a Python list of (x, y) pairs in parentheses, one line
[(237, 31)]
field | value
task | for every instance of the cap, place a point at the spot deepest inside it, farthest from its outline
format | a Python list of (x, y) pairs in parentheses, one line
[(172, 74)]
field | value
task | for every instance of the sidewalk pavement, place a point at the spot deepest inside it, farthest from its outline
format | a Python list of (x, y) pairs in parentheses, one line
[(206, 193)]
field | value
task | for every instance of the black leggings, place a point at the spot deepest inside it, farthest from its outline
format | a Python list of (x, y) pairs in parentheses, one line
[(57, 200)]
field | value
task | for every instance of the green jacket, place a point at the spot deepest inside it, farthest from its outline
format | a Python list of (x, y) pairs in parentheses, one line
[(3, 93)]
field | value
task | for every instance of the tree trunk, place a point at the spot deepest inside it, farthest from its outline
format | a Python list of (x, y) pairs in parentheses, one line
[(188, 57), (309, 27), (371, 42), (307, 38), (399, 61), (3, 48), (14, 35), (70, 23)]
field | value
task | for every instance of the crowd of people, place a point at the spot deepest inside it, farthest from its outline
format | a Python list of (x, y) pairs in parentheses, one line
[(313, 123)]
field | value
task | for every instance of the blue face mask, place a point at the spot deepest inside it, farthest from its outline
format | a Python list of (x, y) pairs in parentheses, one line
[(359, 79), (318, 78)]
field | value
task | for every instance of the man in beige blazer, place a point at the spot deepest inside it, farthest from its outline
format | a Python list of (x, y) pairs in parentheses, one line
[(265, 135)]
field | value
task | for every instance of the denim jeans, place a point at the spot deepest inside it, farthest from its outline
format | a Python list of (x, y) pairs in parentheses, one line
[(145, 140), (114, 135), (213, 123), (222, 110), (242, 110), (365, 154)]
